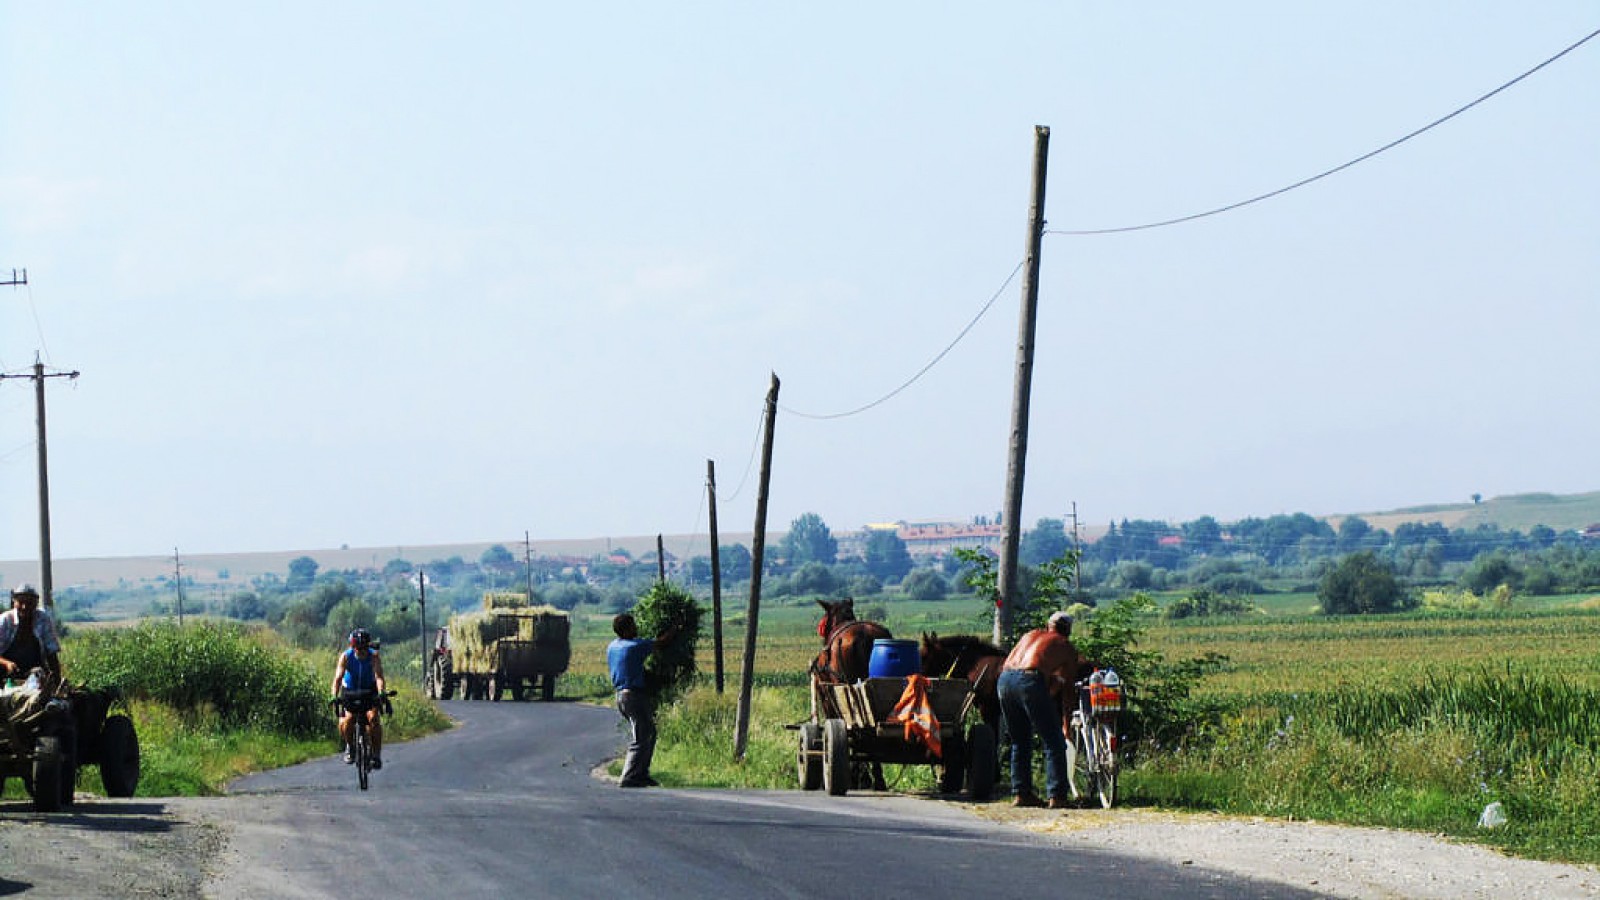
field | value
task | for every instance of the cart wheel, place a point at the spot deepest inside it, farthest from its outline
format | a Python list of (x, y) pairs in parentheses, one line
[(119, 757), (516, 691), (835, 757), (47, 775), (981, 762), (953, 768), (497, 688), (447, 688), (69, 768), (547, 687), (808, 756)]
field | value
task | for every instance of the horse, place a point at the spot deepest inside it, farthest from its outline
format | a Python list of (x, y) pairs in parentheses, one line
[(846, 658), (971, 657), (846, 643)]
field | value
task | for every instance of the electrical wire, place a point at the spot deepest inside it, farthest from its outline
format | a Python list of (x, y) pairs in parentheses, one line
[(1333, 171), (924, 370), (749, 463)]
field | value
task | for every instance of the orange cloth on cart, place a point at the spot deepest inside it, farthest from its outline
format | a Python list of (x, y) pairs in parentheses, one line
[(916, 711)]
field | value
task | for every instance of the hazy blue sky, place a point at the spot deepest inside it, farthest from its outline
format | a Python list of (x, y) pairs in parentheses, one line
[(402, 273)]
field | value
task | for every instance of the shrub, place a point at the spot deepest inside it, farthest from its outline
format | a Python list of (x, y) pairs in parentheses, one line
[(670, 670), (241, 674)]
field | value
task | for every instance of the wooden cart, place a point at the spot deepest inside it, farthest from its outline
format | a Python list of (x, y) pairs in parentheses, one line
[(849, 732)]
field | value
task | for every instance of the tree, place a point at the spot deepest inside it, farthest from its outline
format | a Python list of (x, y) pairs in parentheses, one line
[(924, 585), (809, 540), (1361, 583), (1203, 535), (302, 572), (1489, 571), (1046, 541), (348, 615), (886, 555), (1353, 533), (245, 605), (497, 558), (735, 559), (812, 578)]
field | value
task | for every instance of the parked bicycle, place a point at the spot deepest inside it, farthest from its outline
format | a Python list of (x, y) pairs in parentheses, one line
[(1093, 752), (358, 704)]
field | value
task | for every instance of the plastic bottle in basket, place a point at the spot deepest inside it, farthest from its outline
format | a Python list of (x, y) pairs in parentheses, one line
[(1105, 691)]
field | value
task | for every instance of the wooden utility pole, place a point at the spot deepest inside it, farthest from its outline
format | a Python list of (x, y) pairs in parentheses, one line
[(758, 550), (1005, 612), (16, 279), (661, 559), (716, 576), (45, 568)]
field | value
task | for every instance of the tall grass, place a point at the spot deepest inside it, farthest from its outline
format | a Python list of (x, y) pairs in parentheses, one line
[(215, 700)]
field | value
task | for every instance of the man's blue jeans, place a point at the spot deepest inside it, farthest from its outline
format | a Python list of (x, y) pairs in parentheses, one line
[(1027, 706)]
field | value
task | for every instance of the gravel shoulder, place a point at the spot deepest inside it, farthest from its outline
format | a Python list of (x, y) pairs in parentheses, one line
[(1336, 860)]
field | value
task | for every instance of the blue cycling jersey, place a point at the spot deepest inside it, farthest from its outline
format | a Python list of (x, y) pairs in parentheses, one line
[(359, 674)]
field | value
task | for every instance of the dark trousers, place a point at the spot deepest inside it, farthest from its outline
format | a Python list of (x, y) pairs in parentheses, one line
[(640, 711)]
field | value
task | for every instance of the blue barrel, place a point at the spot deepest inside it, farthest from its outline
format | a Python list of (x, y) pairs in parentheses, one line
[(894, 659)]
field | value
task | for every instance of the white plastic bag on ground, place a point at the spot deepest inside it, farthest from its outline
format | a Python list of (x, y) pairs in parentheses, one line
[(1494, 815)]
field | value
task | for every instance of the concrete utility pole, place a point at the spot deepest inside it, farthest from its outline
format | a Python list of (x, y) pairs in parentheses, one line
[(177, 582), (527, 562), (1005, 613), (716, 575), (38, 376), (758, 552)]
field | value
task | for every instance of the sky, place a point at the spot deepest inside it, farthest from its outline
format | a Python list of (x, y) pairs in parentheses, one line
[(386, 274)]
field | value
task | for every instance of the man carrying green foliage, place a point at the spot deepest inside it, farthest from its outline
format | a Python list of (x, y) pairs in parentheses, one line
[(625, 657)]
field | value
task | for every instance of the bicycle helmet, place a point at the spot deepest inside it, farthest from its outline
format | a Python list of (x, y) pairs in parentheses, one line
[(360, 638)]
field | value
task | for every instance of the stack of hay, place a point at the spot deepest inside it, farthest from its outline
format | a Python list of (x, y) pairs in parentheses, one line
[(473, 635)]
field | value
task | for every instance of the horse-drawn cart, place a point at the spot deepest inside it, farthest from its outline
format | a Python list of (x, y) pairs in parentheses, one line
[(854, 727)]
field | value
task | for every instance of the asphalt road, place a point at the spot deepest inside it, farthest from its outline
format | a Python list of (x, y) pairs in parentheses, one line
[(505, 805)]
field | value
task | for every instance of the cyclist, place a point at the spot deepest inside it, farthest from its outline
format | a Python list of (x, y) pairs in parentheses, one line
[(360, 669), (27, 636)]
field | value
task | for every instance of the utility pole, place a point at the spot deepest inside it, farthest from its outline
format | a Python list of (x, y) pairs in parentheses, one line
[(1077, 552), (716, 575), (15, 280), (758, 551), (38, 376), (1005, 612), (661, 559), (177, 581), (422, 626), (527, 561)]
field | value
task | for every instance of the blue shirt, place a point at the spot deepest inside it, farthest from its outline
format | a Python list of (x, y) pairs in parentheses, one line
[(626, 660), (358, 672)]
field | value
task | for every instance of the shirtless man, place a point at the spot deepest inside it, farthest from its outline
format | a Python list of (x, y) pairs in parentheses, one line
[(1041, 665)]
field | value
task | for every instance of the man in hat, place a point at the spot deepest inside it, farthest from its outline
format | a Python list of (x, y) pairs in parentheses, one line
[(28, 638), (1041, 665)]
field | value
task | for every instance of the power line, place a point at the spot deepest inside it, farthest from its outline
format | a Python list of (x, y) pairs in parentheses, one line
[(924, 370), (1336, 169)]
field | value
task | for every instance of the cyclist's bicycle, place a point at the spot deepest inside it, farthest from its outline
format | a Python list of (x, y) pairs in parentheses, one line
[(358, 703), (1093, 756)]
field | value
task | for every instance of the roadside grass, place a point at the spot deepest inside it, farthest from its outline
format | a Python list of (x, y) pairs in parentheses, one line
[(215, 700), (1414, 721)]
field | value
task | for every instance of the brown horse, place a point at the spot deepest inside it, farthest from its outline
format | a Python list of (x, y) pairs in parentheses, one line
[(846, 658), (847, 643), (970, 657)]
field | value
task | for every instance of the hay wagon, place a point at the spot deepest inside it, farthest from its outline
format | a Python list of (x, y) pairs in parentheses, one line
[(851, 730), (520, 650)]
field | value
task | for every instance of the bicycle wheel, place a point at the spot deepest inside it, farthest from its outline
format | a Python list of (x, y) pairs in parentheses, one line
[(363, 755), (1105, 776), (1080, 775)]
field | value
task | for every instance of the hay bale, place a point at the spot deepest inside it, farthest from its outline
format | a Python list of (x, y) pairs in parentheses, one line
[(473, 635)]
